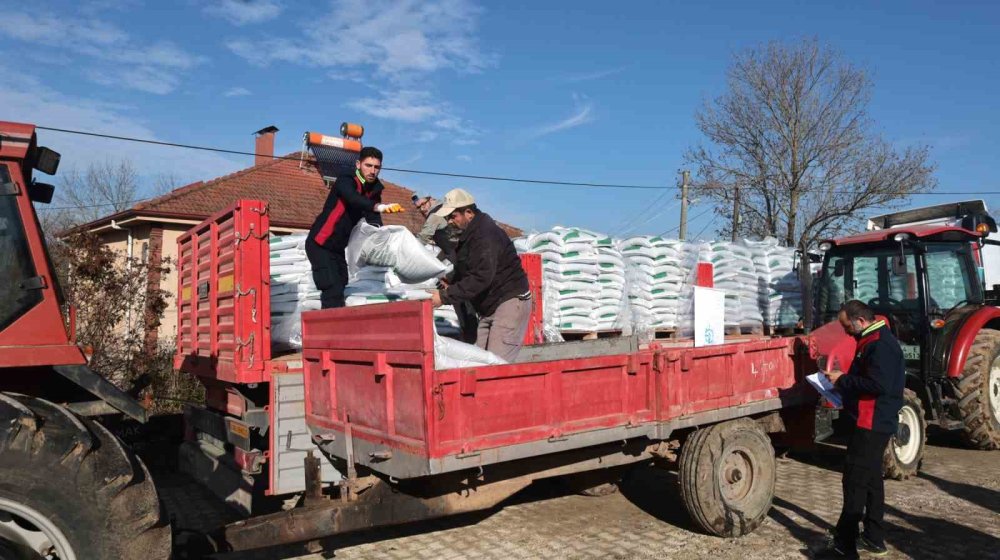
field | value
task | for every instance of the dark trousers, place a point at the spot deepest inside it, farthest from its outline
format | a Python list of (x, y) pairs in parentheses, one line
[(864, 491), (329, 269), (468, 322)]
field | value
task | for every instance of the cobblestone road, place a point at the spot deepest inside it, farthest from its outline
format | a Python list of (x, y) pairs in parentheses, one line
[(951, 511)]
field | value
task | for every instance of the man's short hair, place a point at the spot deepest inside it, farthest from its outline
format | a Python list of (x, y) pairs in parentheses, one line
[(856, 309), (473, 207), (370, 151)]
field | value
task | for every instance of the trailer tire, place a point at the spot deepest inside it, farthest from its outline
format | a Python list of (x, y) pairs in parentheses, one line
[(727, 476), (82, 492), (978, 392), (905, 451)]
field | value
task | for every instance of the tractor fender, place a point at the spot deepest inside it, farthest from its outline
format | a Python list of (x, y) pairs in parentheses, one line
[(965, 337)]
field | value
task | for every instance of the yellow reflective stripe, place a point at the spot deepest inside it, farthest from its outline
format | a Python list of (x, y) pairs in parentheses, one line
[(873, 327)]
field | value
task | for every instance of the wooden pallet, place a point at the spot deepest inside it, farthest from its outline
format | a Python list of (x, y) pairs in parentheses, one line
[(590, 335), (736, 330), (658, 334)]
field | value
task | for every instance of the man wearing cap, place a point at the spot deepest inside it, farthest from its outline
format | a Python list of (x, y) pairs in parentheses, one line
[(488, 274), (352, 198), (445, 236)]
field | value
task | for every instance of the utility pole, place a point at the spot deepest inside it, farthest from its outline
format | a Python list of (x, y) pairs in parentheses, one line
[(736, 212), (685, 175)]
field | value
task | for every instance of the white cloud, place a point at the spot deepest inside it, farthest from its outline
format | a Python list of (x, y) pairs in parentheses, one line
[(237, 92), (111, 56), (408, 106), (418, 107), (582, 115), (243, 12), (398, 38), (28, 100), (596, 75)]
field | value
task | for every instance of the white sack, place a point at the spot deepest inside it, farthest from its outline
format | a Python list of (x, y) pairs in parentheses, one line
[(396, 247), (450, 353)]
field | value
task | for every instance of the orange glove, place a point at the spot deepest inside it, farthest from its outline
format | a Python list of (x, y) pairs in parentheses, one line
[(388, 208)]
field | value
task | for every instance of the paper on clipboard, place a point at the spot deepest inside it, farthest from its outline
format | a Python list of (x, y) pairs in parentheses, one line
[(825, 388)]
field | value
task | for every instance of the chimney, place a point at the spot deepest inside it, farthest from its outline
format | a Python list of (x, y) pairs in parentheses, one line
[(264, 147)]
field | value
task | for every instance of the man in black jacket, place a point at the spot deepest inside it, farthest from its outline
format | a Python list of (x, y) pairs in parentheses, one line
[(872, 391), (352, 198), (488, 274)]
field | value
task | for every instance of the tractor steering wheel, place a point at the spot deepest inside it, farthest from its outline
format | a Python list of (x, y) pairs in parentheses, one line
[(892, 303)]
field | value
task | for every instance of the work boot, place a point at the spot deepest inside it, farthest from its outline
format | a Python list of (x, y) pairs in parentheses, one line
[(833, 551), (872, 548)]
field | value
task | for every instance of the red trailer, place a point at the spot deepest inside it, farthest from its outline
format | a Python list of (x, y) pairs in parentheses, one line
[(371, 433)]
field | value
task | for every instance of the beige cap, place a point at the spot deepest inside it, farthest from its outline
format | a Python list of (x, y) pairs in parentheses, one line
[(456, 198)]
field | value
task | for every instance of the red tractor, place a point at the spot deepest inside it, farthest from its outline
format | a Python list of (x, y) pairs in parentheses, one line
[(927, 279), (69, 489)]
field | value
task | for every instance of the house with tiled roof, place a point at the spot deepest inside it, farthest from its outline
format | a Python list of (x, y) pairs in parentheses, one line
[(292, 186)]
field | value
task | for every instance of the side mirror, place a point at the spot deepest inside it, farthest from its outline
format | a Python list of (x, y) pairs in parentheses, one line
[(899, 265), (839, 268), (46, 160), (41, 192)]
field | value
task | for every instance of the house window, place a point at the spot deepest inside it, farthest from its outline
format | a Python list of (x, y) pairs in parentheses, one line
[(145, 251)]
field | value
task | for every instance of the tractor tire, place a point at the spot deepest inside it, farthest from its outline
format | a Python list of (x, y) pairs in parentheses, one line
[(905, 451), (978, 392), (70, 490), (727, 475)]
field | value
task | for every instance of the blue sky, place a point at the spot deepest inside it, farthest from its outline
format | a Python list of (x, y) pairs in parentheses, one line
[(574, 91)]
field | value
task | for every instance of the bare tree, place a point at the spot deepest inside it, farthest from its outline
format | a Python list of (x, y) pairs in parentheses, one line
[(103, 188), (791, 152)]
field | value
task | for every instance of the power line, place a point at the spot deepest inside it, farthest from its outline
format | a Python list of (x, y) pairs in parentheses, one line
[(398, 170), (678, 226), (474, 177)]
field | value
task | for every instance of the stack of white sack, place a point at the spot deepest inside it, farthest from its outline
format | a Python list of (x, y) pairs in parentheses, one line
[(671, 268), (693, 254), (785, 289), (391, 264), (612, 311), (570, 269), (292, 290), (640, 253), (759, 251), (727, 277), (945, 275), (750, 286)]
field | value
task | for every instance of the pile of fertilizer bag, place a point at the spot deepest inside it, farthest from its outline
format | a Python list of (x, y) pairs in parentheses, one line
[(384, 264), (592, 282)]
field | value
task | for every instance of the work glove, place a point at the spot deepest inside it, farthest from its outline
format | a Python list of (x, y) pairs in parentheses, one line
[(388, 208)]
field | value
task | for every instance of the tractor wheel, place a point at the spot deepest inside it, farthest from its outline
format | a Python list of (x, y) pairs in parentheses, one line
[(906, 448), (69, 490), (978, 392), (727, 475)]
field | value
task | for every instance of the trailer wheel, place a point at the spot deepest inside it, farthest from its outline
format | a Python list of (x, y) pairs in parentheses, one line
[(727, 476), (69, 490), (978, 392), (905, 451)]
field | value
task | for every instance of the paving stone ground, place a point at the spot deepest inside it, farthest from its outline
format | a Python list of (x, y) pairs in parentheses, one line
[(952, 510)]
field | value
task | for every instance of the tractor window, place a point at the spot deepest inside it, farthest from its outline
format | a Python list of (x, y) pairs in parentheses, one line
[(949, 276), (15, 259)]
